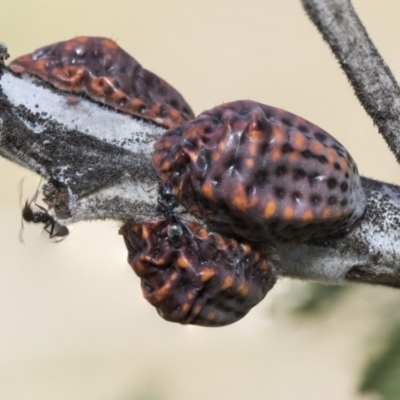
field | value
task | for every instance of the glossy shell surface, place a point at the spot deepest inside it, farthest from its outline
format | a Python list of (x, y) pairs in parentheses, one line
[(100, 69), (202, 278), (261, 172)]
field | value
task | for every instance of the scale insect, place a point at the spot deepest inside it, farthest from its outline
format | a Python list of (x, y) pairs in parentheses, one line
[(99, 69), (192, 275), (263, 173)]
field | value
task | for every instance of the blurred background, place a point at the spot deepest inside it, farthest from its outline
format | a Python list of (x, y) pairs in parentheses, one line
[(73, 324)]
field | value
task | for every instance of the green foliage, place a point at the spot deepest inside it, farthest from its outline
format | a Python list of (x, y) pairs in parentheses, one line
[(382, 374), (319, 298)]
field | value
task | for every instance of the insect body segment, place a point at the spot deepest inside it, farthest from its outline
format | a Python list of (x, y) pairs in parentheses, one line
[(193, 276), (263, 173)]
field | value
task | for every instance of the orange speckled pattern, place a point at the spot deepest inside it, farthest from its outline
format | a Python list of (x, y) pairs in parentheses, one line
[(263, 173), (201, 279), (103, 71)]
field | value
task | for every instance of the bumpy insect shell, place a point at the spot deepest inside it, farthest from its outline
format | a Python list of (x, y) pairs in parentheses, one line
[(262, 172), (204, 279), (100, 69)]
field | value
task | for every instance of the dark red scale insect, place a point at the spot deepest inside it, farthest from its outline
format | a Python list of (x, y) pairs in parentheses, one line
[(193, 276), (100, 69), (51, 226), (261, 172)]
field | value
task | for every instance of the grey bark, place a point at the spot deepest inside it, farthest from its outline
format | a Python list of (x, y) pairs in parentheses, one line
[(372, 81), (97, 161)]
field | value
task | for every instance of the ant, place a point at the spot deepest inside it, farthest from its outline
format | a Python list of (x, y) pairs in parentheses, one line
[(51, 226), (167, 203)]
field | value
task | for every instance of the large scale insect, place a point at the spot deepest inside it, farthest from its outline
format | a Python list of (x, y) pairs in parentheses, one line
[(262, 174)]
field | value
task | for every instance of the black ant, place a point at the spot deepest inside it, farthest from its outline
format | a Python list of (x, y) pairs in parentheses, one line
[(168, 204), (176, 228), (51, 226)]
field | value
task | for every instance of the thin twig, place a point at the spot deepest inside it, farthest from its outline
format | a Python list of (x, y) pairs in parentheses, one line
[(370, 77)]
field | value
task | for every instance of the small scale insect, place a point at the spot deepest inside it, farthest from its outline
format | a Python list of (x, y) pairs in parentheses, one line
[(191, 275), (42, 216), (99, 69)]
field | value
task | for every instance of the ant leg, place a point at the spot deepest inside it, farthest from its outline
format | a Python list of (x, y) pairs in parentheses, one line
[(41, 208), (27, 213), (50, 224), (185, 209), (148, 190), (21, 230), (199, 205), (61, 239), (57, 230), (214, 247)]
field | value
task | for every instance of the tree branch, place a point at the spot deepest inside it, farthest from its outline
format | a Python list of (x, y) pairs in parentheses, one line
[(370, 77), (369, 254), (105, 172), (97, 161)]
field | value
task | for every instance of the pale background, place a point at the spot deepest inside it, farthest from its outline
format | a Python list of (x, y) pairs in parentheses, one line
[(72, 321)]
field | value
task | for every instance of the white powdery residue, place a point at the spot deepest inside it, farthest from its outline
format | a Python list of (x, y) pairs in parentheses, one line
[(39, 128), (384, 239), (71, 199), (128, 190), (60, 174), (393, 195), (119, 129), (381, 242), (139, 192)]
